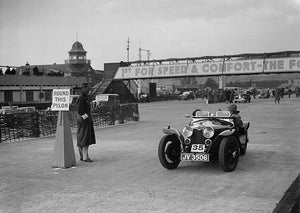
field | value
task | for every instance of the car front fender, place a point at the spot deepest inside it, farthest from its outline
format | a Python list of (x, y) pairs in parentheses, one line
[(227, 132), (171, 131)]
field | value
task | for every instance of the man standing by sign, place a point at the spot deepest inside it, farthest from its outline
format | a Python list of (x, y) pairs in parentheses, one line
[(85, 132)]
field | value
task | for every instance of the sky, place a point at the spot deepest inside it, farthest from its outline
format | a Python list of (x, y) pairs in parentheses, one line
[(43, 31)]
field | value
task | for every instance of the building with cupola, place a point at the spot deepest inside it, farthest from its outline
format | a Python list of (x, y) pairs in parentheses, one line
[(77, 65), (33, 84)]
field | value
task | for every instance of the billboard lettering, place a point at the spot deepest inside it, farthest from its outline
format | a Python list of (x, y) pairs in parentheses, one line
[(255, 66)]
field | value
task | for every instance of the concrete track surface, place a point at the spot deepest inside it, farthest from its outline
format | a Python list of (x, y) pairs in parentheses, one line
[(126, 175)]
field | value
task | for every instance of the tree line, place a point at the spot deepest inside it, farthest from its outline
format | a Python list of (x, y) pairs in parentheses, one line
[(35, 71)]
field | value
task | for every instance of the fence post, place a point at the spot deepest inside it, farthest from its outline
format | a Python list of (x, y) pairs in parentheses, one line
[(35, 125), (136, 116), (1, 124), (112, 115), (121, 115)]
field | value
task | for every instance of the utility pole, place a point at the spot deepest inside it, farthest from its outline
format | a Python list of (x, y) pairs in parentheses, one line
[(140, 53), (128, 49), (139, 81)]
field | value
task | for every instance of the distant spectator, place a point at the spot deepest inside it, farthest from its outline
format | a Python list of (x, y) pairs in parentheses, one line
[(254, 92), (37, 72), (273, 92), (232, 108), (231, 96), (227, 93), (282, 92), (13, 71), (297, 91), (289, 92), (268, 93), (7, 71), (26, 72), (277, 95)]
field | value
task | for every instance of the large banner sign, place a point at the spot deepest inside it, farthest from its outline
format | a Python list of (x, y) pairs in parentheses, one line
[(272, 65)]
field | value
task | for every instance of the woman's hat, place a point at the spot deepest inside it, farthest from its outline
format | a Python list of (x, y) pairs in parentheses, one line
[(233, 108)]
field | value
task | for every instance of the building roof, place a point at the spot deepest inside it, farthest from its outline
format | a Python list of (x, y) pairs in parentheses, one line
[(48, 67), (99, 72), (77, 48), (18, 80), (66, 68)]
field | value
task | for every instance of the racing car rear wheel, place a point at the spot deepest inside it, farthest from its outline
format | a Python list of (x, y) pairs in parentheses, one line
[(229, 153), (169, 151)]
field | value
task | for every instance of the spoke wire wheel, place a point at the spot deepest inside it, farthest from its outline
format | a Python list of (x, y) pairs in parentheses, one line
[(229, 153), (169, 151)]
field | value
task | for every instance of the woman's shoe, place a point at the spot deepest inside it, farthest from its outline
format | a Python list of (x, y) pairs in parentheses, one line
[(88, 160), (81, 159)]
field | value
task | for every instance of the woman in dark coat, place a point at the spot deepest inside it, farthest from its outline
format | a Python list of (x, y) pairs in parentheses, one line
[(85, 132)]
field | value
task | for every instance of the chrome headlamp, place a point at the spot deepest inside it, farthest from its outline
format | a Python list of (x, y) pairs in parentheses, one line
[(187, 131), (208, 132)]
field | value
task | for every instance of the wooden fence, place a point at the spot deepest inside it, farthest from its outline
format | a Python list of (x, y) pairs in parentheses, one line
[(18, 126)]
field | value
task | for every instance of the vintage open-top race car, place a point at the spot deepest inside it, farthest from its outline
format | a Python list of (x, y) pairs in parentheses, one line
[(207, 138)]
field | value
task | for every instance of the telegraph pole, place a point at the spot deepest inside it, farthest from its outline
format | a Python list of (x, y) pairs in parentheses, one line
[(128, 49)]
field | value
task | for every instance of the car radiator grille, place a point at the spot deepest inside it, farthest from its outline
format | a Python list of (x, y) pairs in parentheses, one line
[(197, 137)]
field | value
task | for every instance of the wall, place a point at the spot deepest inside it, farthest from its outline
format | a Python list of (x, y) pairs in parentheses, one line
[(19, 84)]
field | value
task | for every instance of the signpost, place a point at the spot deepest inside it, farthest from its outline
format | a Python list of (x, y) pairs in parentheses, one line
[(64, 155), (60, 100)]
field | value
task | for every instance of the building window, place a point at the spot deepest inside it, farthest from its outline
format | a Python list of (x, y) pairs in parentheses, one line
[(48, 95), (8, 96), (42, 95), (29, 95)]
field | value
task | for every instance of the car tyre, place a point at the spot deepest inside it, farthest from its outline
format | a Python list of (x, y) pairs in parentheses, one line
[(244, 149), (229, 152), (169, 151)]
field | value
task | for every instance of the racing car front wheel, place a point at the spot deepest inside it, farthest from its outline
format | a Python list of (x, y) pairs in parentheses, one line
[(169, 151), (229, 153)]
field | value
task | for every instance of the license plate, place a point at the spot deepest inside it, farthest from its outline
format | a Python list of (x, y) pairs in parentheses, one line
[(195, 157), (198, 148)]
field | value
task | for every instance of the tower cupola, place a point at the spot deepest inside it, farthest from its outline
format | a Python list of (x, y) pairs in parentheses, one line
[(77, 55)]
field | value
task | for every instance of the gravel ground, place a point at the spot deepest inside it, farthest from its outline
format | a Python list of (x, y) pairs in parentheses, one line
[(126, 175)]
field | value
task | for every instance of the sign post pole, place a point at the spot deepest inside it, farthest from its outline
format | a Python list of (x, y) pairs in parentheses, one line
[(64, 155)]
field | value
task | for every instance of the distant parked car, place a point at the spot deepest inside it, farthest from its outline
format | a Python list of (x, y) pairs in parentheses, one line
[(187, 95), (16, 110), (264, 95), (247, 97), (242, 98), (144, 98)]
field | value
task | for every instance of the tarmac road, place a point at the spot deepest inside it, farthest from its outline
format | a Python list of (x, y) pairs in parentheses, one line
[(126, 175)]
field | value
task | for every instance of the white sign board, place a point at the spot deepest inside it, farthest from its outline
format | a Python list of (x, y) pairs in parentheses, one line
[(102, 98), (254, 66), (60, 100)]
